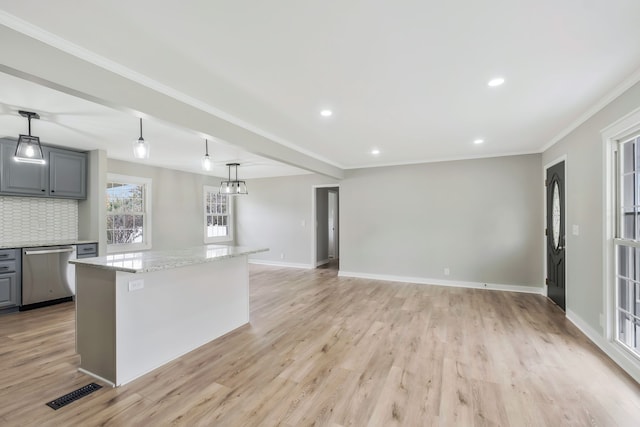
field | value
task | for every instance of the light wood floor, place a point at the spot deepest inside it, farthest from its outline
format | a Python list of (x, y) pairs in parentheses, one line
[(323, 350)]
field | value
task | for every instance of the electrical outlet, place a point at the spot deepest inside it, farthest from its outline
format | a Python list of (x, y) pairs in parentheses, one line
[(282, 255), (447, 271), (136, 285)]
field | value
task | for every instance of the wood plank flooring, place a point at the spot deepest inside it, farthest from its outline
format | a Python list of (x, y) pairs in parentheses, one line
[(329, 351)]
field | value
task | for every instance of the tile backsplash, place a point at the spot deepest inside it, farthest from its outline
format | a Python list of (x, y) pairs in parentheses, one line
[(31, 219)]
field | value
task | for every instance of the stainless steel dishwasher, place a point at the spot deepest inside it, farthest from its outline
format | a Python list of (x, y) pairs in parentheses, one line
[(46, 276)]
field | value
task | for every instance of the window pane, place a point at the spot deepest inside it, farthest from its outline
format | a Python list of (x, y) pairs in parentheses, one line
[(628, 157), (623, 293), (215, 214), (126, 205), (624, 328), (635, 309), (628, 187), (628, 225), (626, 261)]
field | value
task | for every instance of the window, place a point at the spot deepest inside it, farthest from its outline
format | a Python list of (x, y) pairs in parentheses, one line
[(217, 216), (627, 245), (128, 201)]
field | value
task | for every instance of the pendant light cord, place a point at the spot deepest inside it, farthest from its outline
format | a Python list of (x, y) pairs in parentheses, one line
[(141, 129)]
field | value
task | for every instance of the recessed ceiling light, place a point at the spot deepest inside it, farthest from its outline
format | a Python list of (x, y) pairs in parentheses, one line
[(326, 113), (375, 151), (478, 141), (496, 82)]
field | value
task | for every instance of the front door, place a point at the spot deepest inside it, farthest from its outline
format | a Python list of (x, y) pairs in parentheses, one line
[(556, 234)]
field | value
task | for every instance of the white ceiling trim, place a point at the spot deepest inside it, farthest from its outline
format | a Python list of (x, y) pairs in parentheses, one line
[(603, 102), (66, 46)]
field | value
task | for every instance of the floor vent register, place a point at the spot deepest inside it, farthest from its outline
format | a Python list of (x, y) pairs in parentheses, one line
[(73, 396)]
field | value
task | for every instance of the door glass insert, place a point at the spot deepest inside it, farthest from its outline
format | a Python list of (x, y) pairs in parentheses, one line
[(555, 215)]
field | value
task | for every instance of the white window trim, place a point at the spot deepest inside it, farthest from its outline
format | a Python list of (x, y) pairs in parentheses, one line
[(230, 219), (623, 356), (146, 244)]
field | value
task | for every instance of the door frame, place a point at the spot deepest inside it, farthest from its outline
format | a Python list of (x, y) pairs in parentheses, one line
[(314, 221), (545, 226)]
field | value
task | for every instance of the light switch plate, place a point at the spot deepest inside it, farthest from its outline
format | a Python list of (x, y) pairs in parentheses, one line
[(576, 230), (136, 285)]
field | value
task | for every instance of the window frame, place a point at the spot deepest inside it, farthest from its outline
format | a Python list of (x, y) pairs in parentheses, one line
[(147, 214), (622, 130), (230, 218), (620, 240)]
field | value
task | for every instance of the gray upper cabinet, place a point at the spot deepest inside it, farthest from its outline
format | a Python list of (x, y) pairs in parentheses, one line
[(63, 176), (21, 178), (67, 174)]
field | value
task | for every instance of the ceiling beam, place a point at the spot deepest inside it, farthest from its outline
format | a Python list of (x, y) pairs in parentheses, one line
[(31, 59)]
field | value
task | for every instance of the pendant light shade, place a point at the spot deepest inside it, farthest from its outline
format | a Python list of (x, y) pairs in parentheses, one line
[(233, 187), (141, 147), (207, 164), (29, 149)]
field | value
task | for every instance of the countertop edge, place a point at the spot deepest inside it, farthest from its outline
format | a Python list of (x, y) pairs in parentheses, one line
[(26, 245), (170, 263)]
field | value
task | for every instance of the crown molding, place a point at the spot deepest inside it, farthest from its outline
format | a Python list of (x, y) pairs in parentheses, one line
[(603, 102)]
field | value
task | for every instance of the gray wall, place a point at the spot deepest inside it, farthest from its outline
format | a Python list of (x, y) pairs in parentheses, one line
[(273, 214), (177, 203), (480, 218), (92, 218), (585, 180)]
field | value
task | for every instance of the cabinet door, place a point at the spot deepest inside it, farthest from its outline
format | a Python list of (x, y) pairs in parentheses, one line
[(67, 174), (21, 178), (8, 290)]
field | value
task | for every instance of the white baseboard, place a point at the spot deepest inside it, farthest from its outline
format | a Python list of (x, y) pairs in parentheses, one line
[(620, 356), (280, 264), (323, 262), (453, 283)]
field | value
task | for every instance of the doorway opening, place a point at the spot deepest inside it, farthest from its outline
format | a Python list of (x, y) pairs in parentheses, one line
[(326, 236)]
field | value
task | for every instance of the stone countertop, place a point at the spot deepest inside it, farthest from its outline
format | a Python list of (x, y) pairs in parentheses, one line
[(42, 243), (144, 262)]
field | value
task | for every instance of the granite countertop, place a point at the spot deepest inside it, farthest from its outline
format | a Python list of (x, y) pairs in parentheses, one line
[(36, 244), (144, 262)]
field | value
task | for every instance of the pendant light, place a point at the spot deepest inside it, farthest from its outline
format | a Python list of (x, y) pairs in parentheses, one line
[(207, 164), (29, 149), (233, 187), (141, 147)]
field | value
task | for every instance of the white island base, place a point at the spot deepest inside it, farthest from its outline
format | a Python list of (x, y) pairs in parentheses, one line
[(128, 324)]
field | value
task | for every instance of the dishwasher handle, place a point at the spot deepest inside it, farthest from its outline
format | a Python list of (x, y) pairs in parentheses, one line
[(48, 251)]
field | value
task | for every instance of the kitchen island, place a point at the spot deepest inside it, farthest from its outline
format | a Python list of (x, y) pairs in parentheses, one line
[(137, 311)]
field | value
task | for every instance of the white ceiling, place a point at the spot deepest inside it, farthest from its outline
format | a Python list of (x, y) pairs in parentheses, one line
[(406, 77)]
